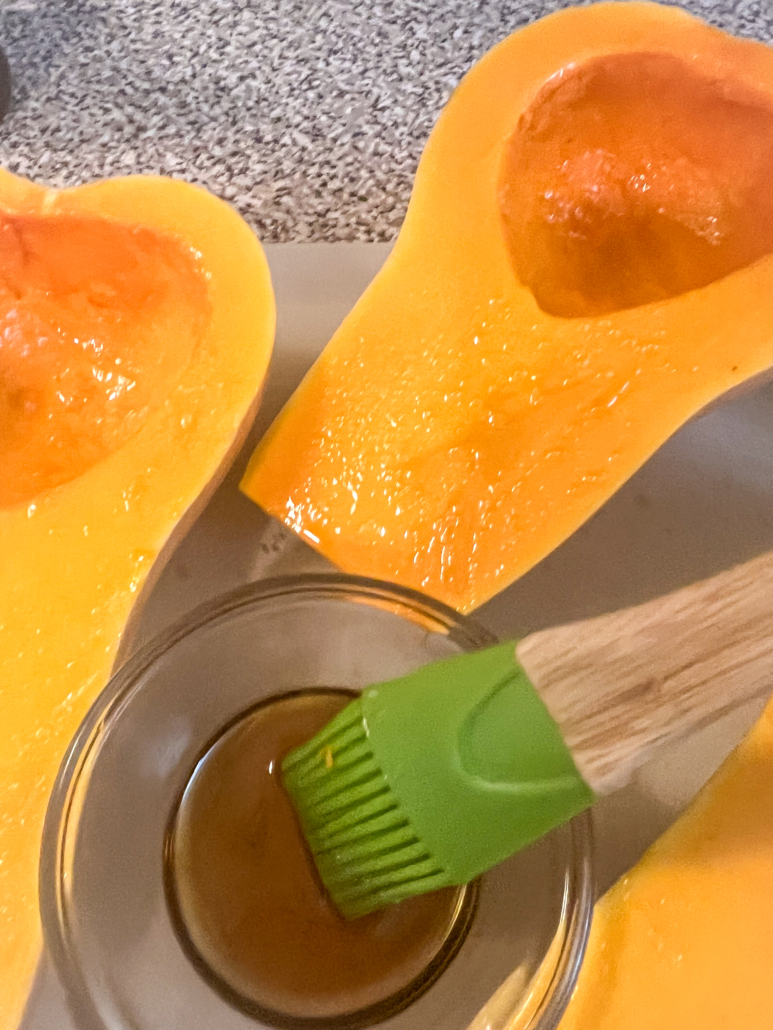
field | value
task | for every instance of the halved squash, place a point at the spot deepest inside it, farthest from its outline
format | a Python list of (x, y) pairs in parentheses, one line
[(684, 939), (136, 327), (586, 261)]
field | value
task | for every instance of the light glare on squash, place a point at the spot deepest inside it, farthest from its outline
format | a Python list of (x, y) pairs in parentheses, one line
[(585, 263), (137, 325)]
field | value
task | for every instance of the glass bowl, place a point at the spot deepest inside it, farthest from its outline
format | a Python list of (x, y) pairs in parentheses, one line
[(105, 915)]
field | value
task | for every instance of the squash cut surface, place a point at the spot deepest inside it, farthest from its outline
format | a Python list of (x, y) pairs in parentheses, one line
[(633, 178), (136, 327), (585, 264), (97, 322), (684, 939)]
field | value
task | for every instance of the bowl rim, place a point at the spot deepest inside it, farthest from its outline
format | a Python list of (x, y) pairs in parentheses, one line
[(579, 892)]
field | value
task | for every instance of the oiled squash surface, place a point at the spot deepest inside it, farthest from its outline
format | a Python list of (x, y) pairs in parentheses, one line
[(97, 323), (587, 260), (634, 178), (136, 325)]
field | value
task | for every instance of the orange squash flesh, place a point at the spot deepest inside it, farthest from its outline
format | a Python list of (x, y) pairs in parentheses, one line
[(684, 940), (97, 321), (634, 178), (520, 355), (165, 288)]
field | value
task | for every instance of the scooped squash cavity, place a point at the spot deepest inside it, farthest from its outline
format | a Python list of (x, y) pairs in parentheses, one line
[(136, 326), (586, 261)]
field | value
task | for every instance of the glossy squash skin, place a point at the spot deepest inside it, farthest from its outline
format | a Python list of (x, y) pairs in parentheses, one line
[(499, 380), (684, 939), (73, 558)]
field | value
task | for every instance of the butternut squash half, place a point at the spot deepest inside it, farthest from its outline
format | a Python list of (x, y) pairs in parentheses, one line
[(586, 261), (684, 939), (136, 326)]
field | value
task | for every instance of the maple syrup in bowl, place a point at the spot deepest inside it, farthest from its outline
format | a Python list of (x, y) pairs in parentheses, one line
[(248, 904), (176, 890)]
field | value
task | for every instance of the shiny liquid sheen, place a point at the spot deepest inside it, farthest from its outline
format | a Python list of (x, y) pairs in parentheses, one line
[(247, 902), (98, 321)]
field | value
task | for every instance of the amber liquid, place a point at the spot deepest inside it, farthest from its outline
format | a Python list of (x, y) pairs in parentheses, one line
[(247, 900)]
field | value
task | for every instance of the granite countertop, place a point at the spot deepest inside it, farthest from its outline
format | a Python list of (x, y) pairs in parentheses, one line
[(308, 115)]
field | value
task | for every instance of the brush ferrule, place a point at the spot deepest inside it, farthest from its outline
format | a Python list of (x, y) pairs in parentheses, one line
[(621, 685)]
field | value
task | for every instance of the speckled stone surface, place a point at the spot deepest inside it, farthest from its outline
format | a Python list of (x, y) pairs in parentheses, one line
[(308, 115)]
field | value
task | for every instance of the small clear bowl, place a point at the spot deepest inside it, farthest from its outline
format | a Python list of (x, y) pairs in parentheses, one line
[(105, 915)]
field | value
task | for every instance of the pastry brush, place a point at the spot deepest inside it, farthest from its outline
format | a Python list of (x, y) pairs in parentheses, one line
[(430, 779)]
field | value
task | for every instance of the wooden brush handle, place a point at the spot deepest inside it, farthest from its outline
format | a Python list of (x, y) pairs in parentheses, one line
[(622, 684)]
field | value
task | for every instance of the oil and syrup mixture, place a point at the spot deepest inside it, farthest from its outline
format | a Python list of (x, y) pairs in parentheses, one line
[(247, 901)]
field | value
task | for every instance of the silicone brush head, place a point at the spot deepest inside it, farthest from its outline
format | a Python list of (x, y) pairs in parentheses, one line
[(428, 780), (364, 846)]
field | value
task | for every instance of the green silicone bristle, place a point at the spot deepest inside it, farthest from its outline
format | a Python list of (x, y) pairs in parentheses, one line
[(367, 853), (429, 780)]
